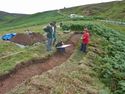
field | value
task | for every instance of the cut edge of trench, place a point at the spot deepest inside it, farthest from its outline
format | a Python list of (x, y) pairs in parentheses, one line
[(25, 64)]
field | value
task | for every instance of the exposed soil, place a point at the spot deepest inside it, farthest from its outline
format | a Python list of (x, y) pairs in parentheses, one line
[(27, 39), (36, 67)]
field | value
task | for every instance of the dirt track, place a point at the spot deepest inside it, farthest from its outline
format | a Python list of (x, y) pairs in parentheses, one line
[(37, 67)]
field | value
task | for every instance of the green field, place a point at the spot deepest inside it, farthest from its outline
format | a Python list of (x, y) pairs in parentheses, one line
[(100, 71)]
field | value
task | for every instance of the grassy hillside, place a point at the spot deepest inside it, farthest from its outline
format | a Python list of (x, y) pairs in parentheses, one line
[(111, 10), (32, 20), (82, 73), (4, 16), (105, 56)]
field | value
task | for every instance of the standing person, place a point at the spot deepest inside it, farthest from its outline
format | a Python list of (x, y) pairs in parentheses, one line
[(54, 32), (49, 32), (85, 40)]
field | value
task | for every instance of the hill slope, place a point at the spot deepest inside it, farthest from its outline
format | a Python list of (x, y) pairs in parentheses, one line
[(31, 20), (4, 16), (112, 10)]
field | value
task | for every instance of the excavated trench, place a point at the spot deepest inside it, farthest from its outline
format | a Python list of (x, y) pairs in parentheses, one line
[(26, 70)]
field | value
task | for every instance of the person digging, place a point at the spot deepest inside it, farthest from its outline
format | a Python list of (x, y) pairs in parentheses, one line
[(60, 46)]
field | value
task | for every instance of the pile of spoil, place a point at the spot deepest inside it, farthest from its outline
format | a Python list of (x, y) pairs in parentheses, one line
[(27, 39)]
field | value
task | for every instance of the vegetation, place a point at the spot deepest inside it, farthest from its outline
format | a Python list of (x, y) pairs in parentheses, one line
[(109, 65), (105, 56), (113, 10), (74, 76), (4, 16), (11, 54), (110, 10), (32, 20), (109, 61)]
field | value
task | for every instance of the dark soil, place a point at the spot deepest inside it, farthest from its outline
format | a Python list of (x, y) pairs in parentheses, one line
[(28, 39), (26, 70)]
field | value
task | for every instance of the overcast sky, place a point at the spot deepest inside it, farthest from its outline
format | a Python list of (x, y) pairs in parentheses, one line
[(34, 6)]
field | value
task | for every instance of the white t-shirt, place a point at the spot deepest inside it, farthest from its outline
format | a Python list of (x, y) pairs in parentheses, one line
[(53, 28)]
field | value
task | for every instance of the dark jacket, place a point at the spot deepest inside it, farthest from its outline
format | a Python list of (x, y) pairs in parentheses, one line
[(49, 31)]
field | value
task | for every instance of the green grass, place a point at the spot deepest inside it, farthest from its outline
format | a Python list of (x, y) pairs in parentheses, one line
[(109, 63), (32, 20), (74, 76), (9, 47), (10, 61), (37, 28), (110, 10), (4, 16), (120, 28), (11, 54)]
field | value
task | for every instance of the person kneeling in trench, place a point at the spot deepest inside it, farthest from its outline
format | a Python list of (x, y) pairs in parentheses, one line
[(61, 47)]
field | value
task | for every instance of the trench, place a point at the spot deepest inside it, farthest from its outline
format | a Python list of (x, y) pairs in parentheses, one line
[(26, 70)]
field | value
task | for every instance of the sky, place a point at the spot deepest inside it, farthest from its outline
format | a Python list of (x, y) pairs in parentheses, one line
[(34, 6)]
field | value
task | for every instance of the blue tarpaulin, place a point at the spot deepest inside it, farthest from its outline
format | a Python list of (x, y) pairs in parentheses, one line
[(8, 36)]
